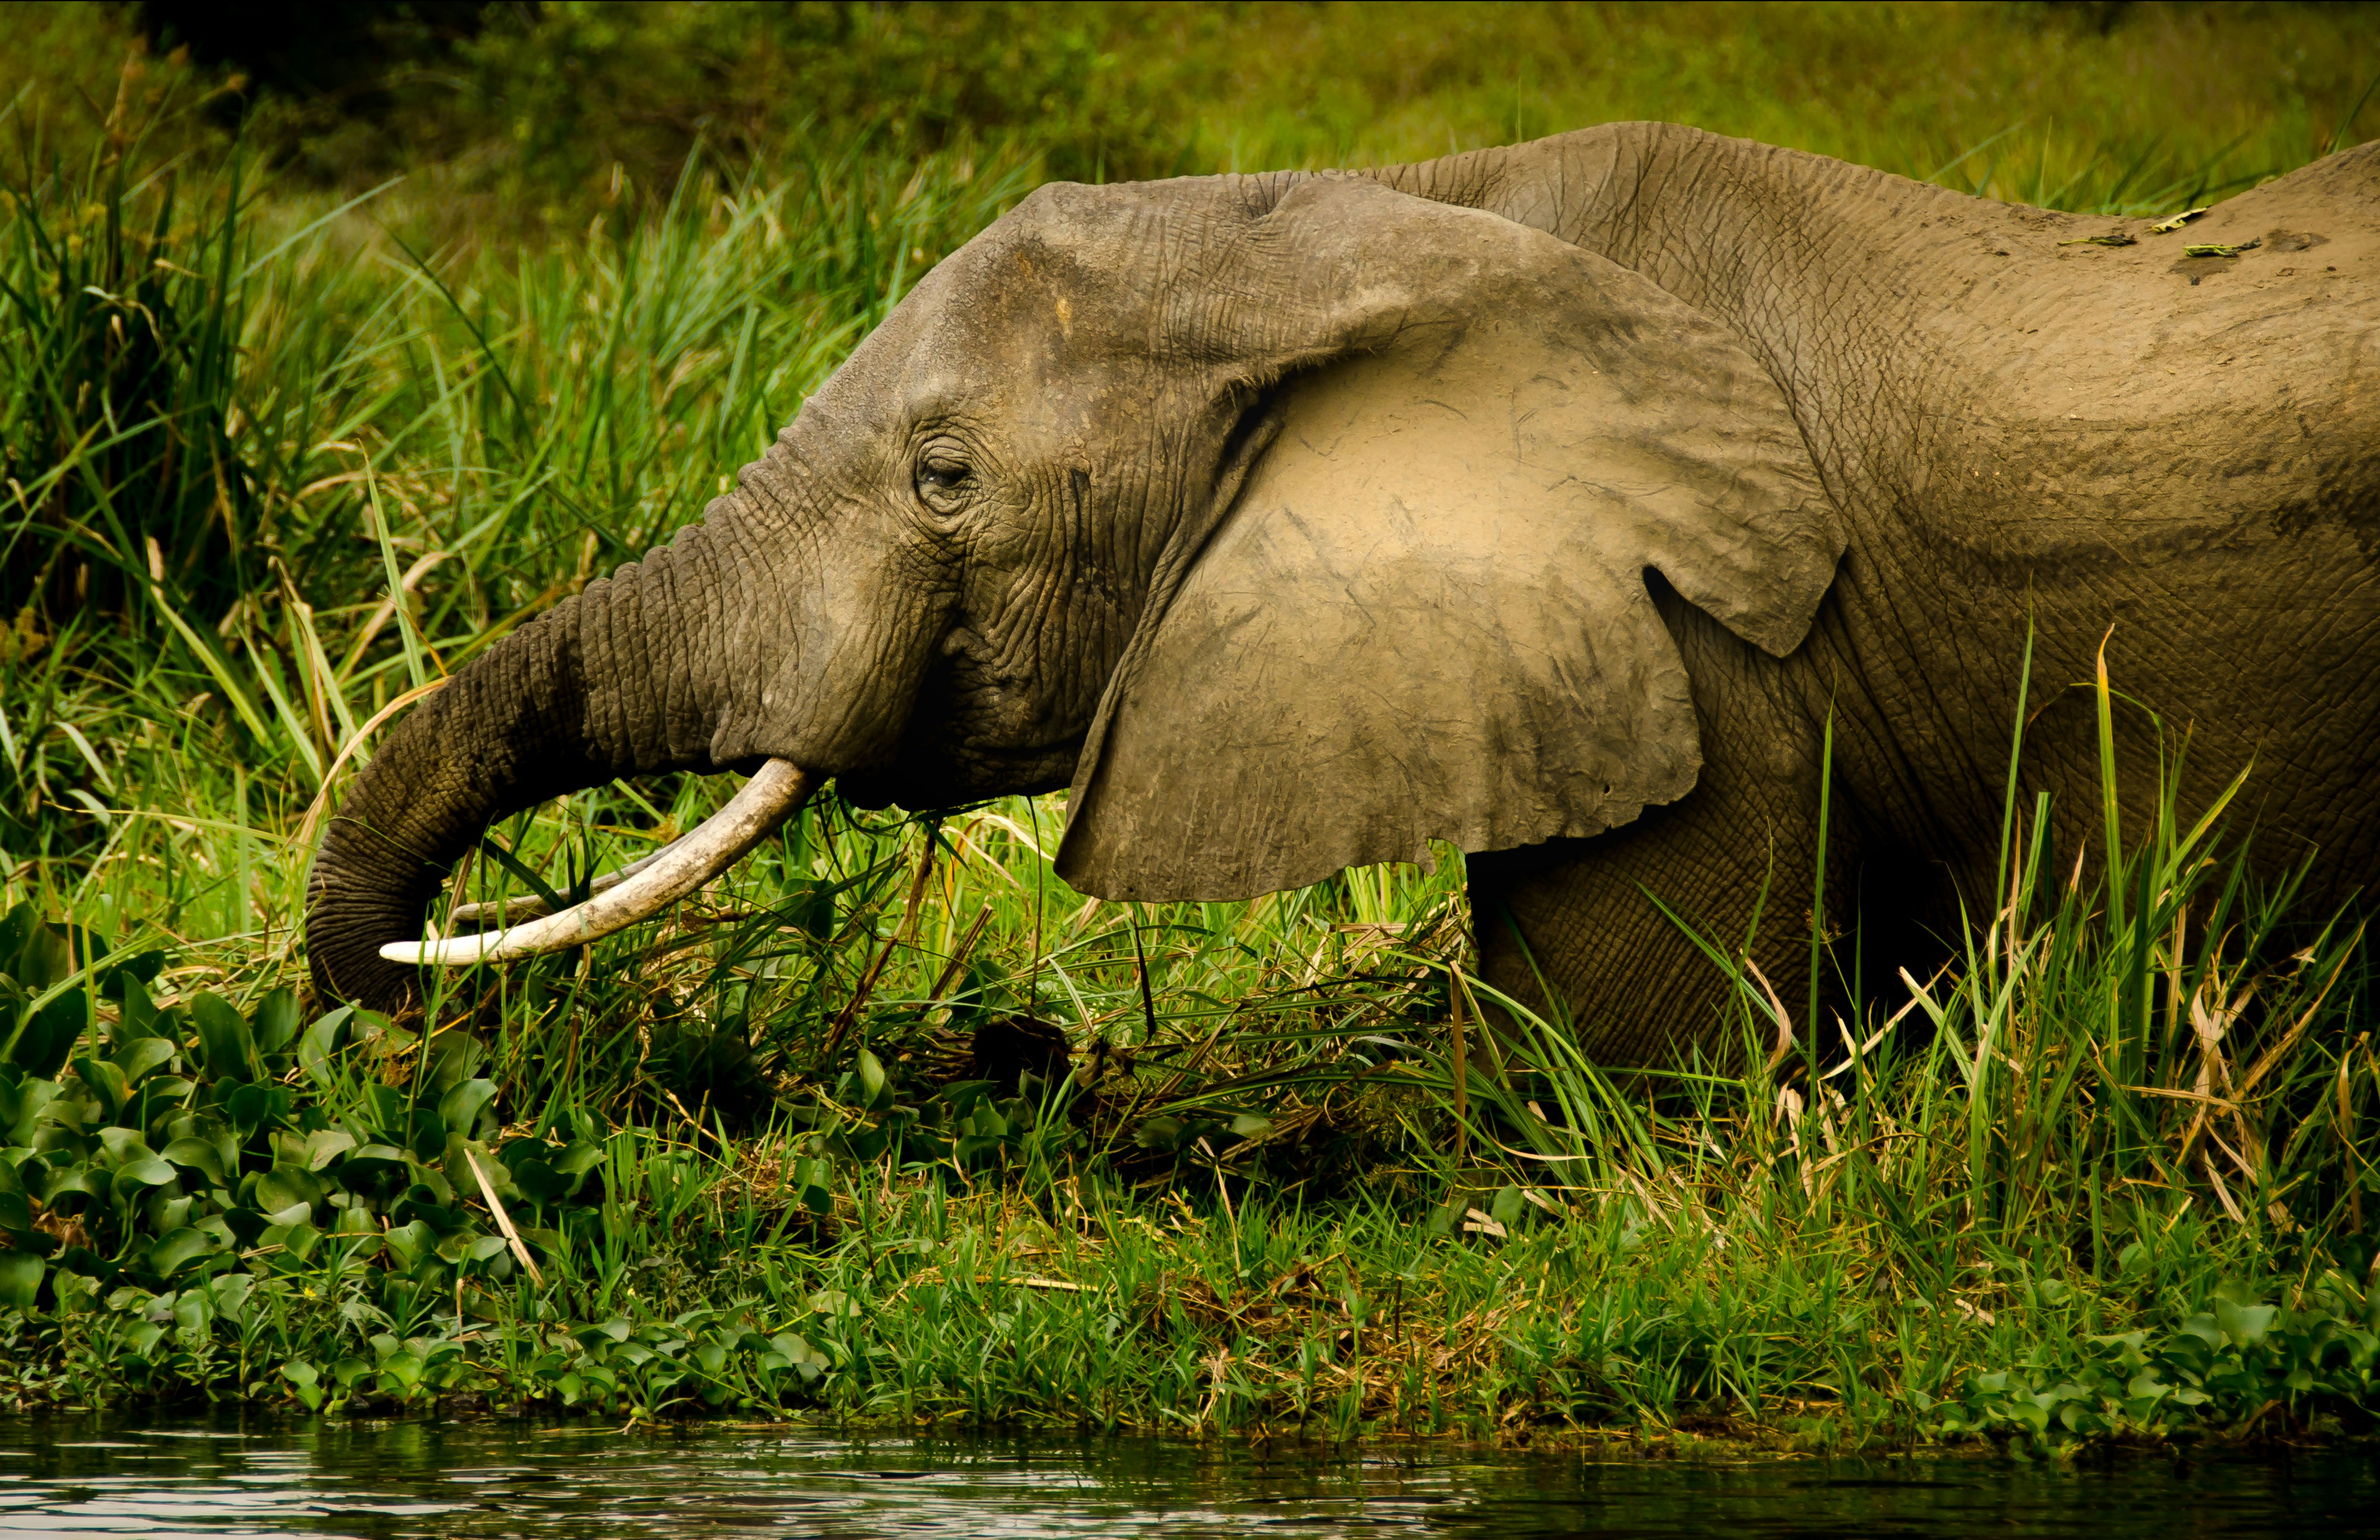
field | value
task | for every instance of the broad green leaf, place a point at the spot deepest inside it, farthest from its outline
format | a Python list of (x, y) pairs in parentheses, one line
[(2146, 1387), (156, 1093), (2243, 1324), (291, 1217), (798, 1351), (321, 1041), (275, 1021), (20, 1279), (39, 956), (136, 1015), (149, 1173), (372, 1167), (106, 1083), (199, 1156), (138, 1058), (253, 1106), (76, 1178), (579, 1159), (22, 1107), (298, 1239), (325, 1146), (538, 1179), (16, 928), (176, 1249), (193, 1312), (459, 1109), (411, 1243), (124, 1145), (455, 1057), (427, 1136), (48, 1036), (285, 1187), (433, 1208), (247, 1226), (224, 1043)]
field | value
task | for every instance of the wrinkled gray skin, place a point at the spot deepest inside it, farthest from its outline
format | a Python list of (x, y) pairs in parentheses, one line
[(1545, 499)]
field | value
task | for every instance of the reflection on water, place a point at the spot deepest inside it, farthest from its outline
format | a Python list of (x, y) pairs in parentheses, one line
[(78, 1477)]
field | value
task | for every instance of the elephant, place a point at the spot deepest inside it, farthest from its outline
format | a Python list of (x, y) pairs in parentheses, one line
[(1591, 505)]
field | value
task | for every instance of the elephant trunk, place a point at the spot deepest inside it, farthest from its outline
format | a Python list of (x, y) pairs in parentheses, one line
[(612, 681)]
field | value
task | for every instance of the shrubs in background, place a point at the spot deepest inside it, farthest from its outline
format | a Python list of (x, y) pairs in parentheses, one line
[(511, 118)]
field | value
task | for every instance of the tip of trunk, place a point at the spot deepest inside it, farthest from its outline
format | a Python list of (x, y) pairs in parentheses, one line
[(506, 733), (345, 926)]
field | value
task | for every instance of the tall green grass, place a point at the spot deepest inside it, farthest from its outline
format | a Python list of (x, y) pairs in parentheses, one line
[(889, 1122), (264, 476), (2171, 1049)]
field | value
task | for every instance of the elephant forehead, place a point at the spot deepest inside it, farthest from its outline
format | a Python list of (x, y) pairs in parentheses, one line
[(1093, 268), (1034, 351)]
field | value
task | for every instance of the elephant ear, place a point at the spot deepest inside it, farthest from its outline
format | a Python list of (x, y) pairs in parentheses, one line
[(1426, 616)]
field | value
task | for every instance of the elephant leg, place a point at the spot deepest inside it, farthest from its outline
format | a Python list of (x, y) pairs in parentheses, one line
[(1736, 859), (1580, 918)]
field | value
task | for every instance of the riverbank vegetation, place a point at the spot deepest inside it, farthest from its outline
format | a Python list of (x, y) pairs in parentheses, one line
[(889, 1124)]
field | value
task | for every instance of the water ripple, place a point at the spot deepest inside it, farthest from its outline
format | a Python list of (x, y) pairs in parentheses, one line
[(396, 1481)]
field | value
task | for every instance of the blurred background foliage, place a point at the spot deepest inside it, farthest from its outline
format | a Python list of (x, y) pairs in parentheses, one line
[(510, 114)]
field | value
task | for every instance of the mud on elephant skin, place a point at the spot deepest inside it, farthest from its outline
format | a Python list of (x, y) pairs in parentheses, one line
[(1550, 500)]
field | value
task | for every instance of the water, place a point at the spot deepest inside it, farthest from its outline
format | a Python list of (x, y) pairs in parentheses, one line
[(226, 1478)]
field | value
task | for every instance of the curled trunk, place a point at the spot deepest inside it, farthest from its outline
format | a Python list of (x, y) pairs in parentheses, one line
[(606, 684)]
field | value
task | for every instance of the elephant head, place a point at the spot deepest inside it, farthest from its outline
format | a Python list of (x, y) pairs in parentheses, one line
[(1295, 521)]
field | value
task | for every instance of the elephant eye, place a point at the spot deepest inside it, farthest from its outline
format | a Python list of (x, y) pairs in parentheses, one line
[(943, 480)]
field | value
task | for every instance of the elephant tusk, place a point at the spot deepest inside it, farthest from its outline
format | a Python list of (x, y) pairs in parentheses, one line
[(528, 906), (641, 890)]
